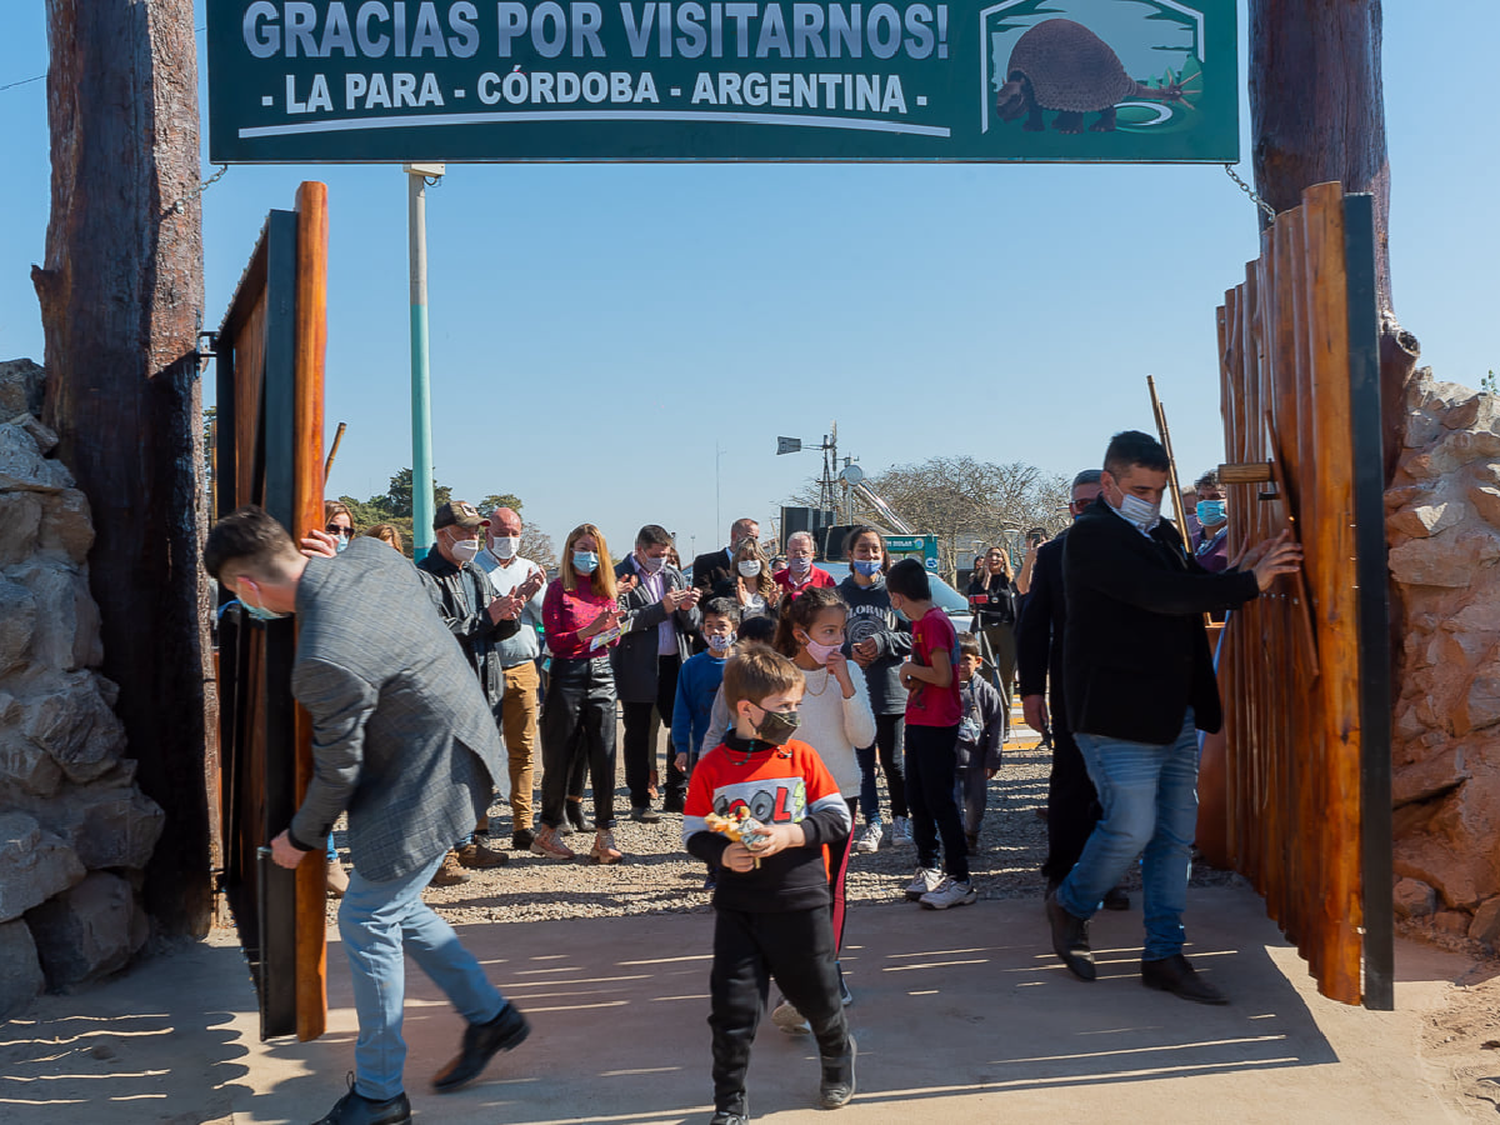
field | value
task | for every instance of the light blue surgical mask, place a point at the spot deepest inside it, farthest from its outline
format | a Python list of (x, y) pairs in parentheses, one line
[(259, 612), (868, 567), (585, 562), (1210, 512), (341, 546)]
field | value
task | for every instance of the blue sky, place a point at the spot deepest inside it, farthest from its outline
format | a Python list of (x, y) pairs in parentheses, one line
[(596, 329)]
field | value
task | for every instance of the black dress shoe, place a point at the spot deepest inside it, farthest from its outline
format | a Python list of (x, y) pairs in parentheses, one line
[(673, 803), (728, 1117), (1176, 975), (355, 1109), (1116, 899), (1070, 940), (482, 1042)]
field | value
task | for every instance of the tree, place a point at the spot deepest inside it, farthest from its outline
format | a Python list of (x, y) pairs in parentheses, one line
[(396, 503), (121, 295), (963, 501), (500, 500), (1317, 114), (537, 546)]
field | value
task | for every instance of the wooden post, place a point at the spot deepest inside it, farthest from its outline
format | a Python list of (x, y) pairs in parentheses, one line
[(121, 295), (1317, 114), (307, 490)]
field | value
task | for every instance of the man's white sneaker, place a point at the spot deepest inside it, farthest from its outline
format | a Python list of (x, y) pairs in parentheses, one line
[(925, 881), (901, 832), (950, 892), (868, 839), (790, 1020)]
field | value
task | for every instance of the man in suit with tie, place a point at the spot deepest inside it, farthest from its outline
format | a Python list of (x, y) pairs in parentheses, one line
[(404, 741), (716, 566)]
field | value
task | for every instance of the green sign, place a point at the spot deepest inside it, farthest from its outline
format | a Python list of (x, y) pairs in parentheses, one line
[(923, 547), (295, 81)]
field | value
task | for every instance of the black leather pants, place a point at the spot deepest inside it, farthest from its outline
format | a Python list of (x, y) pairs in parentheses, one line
[(578, 724)]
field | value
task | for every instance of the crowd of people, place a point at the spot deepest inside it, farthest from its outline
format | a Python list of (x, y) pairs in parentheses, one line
[(786, 696)]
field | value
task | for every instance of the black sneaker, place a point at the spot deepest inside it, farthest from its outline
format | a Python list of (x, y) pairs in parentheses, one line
[(645, 814), (481, 1043), (673, 803), (837, 1086), (1176, 975), (522, 839), (726, 1117)]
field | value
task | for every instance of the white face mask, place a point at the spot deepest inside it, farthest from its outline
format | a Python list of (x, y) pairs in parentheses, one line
[(1142, 513), (652, 565), (750, 568), (506, 546), (464, 550), (798, 565)]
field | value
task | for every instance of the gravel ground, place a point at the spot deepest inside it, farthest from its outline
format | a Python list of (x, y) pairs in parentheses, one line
[(657, 876)]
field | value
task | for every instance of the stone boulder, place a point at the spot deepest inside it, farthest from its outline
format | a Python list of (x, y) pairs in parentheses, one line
[(23, 466), (1443, 529), (21, 978), (34, 865), (67, 525), (88, 932), (18, 622), (20, 526), (74, 724), (106, 827), (22, 386), (67, 619)]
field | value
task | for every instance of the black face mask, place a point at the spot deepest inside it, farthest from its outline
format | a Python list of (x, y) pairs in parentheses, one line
[(778, 726)]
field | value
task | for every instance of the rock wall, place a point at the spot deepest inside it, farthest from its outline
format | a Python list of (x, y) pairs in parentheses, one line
[(75, 830), (1443, 523)]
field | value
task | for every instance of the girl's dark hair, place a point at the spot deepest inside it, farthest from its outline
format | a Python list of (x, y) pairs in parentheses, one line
[(758, 629), (801, 612), (859, 532)]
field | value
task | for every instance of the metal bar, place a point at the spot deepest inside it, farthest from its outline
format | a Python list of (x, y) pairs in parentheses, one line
[(421, 389), (1374, 608)]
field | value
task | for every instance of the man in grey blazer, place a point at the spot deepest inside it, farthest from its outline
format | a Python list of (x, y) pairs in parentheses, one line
[(660, 617), (404, 741)]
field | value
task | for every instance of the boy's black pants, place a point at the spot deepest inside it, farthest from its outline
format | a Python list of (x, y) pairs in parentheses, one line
[(931, 766), (795, 947)]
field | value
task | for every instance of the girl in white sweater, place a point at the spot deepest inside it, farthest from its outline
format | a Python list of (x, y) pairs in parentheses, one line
[(835, 720)]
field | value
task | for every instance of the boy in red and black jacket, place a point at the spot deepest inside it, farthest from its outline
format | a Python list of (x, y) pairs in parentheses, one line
[(772, 896)]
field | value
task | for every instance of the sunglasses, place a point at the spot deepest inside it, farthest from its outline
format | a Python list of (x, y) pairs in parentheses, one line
[(345, 532)]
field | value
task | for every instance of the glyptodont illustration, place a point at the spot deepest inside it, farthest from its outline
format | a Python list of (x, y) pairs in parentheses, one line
[(1063, 66)]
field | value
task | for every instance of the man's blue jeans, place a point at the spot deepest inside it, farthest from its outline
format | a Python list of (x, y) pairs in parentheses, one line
[(1149, 794), (379, 922)]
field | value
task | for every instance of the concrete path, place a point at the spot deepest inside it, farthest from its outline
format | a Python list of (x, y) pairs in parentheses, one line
[(961, 1017)]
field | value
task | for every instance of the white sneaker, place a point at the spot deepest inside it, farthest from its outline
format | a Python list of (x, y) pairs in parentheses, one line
[(950, 892), (925, 881), (901, 832), (869, 838), (790, 1020)]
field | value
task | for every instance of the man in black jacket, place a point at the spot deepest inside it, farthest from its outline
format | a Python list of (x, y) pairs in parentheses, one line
[(713, 567), (1072, 807), (1140, 684), (477, 621)]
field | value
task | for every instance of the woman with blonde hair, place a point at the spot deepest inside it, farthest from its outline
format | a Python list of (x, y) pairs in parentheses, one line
[(992, 597), (750, 582), (389, 534), (581, 617)]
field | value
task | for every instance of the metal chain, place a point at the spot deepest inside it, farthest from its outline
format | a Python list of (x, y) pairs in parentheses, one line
[(181, 205), (1250, 191)]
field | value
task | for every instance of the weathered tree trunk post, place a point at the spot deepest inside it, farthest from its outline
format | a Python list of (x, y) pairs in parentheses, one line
[(1317, 113), (122, 297)]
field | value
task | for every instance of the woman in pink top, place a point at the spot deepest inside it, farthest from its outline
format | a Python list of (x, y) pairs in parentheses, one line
[(582, 620)]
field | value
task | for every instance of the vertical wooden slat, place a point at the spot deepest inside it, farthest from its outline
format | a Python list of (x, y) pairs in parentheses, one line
[(1331, 574), (307, 502)]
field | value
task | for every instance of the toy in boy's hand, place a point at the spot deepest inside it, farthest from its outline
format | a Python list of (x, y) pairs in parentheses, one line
[(741, 827)]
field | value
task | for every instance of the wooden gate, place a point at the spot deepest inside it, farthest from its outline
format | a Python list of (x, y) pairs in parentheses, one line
[(269, 451), (1305, 670)]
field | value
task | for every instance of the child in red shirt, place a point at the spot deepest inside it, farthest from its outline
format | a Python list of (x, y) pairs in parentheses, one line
[(934, 708), (771, 902)]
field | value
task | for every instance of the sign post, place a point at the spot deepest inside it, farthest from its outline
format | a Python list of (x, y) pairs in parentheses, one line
[(421, 386), (705, 80)]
